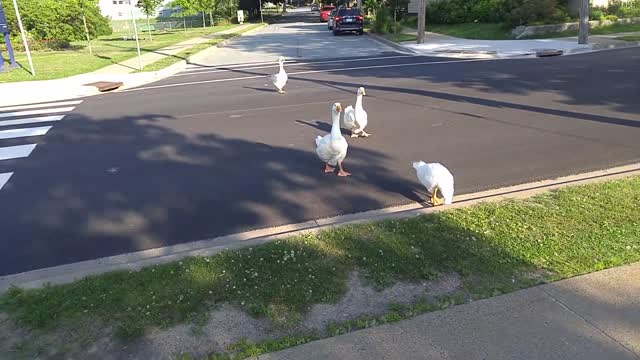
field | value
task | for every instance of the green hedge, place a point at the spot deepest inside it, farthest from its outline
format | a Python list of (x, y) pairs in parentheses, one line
[(59, 20)]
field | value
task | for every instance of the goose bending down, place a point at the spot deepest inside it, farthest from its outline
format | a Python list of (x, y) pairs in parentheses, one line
[(434, 177), (332, 148), (280, 79), (355, 119)]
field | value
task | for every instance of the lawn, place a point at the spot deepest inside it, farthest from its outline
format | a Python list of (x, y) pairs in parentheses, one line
[(629, 38), (496, 248), (476, 31), (483, 31), (107, 50), (184, 55), (605, 30), (400, 37)]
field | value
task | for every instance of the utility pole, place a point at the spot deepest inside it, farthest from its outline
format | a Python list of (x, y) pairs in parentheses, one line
[(422, 14), (583, 37), (24, 38), (135, 34), (261, 18)]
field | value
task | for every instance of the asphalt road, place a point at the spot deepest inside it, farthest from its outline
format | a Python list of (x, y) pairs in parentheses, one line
[(297, 35), (215, 151)]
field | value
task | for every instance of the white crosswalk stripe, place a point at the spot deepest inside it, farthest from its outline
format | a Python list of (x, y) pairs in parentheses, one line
[(31, 120), (17, 123), (36, 112), (26, 132), (35, 106), (4, 178), (15, 152)]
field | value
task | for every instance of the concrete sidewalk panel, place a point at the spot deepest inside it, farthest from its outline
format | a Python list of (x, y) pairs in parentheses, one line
[(527, 324), (610, 300)]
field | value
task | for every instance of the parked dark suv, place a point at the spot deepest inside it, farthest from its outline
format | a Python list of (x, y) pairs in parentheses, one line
[(348, 20)]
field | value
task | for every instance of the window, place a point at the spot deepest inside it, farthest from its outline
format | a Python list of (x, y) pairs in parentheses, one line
[(115, 2), (348, 12)]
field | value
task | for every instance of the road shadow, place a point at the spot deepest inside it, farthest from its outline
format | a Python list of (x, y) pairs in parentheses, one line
[(136, 182)]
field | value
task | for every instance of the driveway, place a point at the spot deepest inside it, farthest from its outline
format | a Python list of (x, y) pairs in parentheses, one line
[(300, 35)]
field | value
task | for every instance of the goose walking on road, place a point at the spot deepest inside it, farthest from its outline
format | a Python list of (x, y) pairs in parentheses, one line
[(332, 148), (280, 79)]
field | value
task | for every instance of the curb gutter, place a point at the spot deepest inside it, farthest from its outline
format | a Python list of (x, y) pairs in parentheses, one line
[(390, 43), (137, 260)]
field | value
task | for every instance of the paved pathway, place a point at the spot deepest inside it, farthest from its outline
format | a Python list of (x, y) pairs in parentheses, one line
[(132, 64), (306, 38), (595, 316)]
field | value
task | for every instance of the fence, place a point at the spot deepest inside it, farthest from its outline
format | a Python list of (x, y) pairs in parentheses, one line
[(125, 27)]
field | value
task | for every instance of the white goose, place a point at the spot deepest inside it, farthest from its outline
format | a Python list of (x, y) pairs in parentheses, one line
[(280, 79), (332, 148), (434, 177), (355, 119)]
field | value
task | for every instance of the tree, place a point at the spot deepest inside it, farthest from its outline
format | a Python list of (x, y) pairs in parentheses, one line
[(60, 20), (149, 8), (583, 36)]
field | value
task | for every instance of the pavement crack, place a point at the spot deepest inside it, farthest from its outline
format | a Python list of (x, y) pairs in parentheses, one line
[(566, 307)]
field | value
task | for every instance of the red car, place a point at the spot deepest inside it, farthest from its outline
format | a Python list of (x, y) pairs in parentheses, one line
[(325, 12)]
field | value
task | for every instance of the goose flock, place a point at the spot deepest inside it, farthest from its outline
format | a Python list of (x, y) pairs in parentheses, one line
[(332, 148)]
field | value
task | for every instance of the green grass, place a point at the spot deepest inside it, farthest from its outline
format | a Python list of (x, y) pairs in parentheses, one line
[(106, 51), (482, 31), (629, 38), (496, 248), (184, 55), (400, 37), (605, 30), (476, 31)]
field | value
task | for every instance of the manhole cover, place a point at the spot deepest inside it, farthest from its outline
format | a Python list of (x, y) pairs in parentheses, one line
[(105, 85)]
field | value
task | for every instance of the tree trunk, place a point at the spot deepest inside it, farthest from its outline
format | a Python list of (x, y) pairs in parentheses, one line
[(422, 14), (583, 37), (149, 28), (86, 31), (204, 24), (211, 19)]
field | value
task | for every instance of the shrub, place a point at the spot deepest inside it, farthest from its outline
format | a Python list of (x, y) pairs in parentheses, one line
[(596, 14), (611, 18), (59, 19), (381, 22), (524, 12)]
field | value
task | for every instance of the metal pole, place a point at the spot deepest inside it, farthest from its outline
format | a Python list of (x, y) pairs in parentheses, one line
[(24, 38), (135, 34), (261, 18), (86, 31), (422, 13), (583, 37)]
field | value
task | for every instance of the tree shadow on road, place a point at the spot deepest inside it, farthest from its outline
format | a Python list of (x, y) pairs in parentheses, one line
[(109, 186)]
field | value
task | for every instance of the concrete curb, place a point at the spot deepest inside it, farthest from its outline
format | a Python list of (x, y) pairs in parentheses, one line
[(137, 260), (390, 43), (79, 90)]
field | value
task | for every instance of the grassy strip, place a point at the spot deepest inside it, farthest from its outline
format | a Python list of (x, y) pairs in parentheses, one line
[(605, 30), (184, 55), (399, 37), (496, 248), (482, 31), (629, 38), (475, 31), (106, 51)]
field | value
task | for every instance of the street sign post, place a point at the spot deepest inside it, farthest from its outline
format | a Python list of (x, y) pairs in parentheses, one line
[(24, 38), (4, 30)]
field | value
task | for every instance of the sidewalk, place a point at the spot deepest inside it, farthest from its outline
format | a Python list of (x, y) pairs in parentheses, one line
[(595, 316), (26, 92), (447, 46), (132, 64)]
